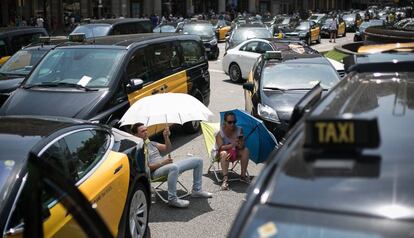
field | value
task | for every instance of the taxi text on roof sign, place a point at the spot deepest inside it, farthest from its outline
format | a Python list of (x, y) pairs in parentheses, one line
[(341, 134)]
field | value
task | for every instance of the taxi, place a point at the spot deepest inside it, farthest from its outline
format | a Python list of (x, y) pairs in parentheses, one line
[(307, 31), (222, 29), (325, 27), (345, 169), (98, 80), (106, 165)]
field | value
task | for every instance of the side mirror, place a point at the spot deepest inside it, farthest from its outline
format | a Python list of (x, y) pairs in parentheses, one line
[(248, 86), (134, 85)]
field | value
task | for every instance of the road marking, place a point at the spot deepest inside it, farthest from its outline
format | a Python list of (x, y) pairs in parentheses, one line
[(216, 71)]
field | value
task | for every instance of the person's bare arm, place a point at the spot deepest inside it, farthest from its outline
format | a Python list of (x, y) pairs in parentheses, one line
[(165, 148), (220, 145)]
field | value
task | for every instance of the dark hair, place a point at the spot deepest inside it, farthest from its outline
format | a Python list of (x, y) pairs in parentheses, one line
[(134, 128), (227, 114)]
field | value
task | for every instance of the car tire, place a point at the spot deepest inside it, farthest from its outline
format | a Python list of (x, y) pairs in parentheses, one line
[(235, 73), (137, 211), (216, 55), (309, 41)]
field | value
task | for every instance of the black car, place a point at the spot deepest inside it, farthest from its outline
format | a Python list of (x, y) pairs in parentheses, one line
[(307, 31), (107, 27), (246, 32), (279, 83), (207, 35), (14, 71), (106, 164), (359, 34), (12, 39), (98, 80), (345, 169), (167, 27)]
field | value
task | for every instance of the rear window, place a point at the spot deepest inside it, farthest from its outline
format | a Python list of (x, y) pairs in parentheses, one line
[(192, 52), (91, 31)]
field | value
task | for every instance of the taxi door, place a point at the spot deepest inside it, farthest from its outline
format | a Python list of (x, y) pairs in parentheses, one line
[(315, 31), (341, 28), (160, 67), (223, 31)]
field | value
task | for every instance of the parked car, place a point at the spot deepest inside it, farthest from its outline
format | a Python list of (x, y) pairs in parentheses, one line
[(307, 31), (246, 32), (12, 39), (168, 27), (106, 164), (318, 18), (98, 28), (99, 81), (222, 28), (238, 61), (345, 168), (325, 26), (278, 82), (285, 24), (353, 21), (359, 34), (207, 35)]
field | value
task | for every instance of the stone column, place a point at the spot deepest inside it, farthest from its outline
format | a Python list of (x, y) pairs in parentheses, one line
[(157, 7), (124, 8), (275, 7), (221, 6), (84, 9), (252, 6), (148, 8)]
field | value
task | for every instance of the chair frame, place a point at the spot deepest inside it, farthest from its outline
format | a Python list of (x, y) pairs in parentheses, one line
[(216, 170), (162, 180)]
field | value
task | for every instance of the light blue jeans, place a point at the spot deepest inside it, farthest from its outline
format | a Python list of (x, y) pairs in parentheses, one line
[(174, 169)]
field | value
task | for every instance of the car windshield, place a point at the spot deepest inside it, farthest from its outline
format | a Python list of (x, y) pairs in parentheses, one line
[(79, 66), (366, 24), (299, 76), (199, 29), (245, 34), (285, 21), (314, 17), (22, 62), (327, 21), (164, 28), (349, 17), (303, 26), (92, 30)]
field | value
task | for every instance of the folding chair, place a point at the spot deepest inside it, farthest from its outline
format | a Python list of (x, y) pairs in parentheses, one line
[(157, 189), (210, 130)]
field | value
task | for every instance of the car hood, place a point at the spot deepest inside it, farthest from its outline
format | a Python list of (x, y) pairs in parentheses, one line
[(282, 102), (56, 102), (9, 83)]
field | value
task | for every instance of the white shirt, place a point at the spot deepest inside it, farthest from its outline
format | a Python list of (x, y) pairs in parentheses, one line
[(39, 22)]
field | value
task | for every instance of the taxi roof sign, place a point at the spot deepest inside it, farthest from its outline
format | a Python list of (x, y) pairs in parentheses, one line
[(341, 134), (273, 55), (77, 37)]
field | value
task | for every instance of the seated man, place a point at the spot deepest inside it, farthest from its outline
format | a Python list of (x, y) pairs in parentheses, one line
[(230, 146), (161, 167)]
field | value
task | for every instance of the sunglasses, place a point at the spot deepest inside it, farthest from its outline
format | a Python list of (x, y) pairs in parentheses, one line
[(231, 122)]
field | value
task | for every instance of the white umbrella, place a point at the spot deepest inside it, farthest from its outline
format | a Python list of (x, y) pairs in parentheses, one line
[(174, 108)]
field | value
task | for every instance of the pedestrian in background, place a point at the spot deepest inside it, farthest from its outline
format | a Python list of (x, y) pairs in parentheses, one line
[(333, 28)]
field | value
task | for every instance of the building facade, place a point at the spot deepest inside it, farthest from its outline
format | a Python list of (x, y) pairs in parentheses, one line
[(57, 12)]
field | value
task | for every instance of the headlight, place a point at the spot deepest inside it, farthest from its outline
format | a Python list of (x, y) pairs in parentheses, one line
[(267, 113), (213, 42), (302, 34)]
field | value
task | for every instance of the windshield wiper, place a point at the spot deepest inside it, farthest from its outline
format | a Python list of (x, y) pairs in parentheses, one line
[(50, 84), (275, 88)]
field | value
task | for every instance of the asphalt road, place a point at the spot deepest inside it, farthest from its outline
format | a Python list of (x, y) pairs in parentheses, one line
[(208, 217)]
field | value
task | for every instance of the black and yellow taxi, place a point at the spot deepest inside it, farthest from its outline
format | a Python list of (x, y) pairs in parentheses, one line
[(279, 80), (106, 165), (222, 29), (98, 80), (345, 169), (341, 25), (12, 39), (308, 31), (353, 21)]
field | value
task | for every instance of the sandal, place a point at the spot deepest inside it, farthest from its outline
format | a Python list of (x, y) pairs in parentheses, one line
[(245, 179), (225, 184)]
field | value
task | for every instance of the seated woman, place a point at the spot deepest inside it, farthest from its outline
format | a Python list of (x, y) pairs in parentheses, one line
[(230, 148)]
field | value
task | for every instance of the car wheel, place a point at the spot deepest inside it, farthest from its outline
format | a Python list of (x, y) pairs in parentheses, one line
[(235, 73), (138, 213), (309, 41), (216, 55)]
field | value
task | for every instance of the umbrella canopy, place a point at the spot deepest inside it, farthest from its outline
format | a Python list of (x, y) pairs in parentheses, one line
[(174, 108), (258, 139)]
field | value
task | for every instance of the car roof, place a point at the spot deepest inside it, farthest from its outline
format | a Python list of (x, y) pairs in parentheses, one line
[(20, 28), (36, 126), (386, 172), (124, 41), (116, 21)]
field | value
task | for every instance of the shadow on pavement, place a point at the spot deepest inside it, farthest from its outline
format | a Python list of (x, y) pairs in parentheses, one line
[(231, 82), (235, 185), (161, 212)]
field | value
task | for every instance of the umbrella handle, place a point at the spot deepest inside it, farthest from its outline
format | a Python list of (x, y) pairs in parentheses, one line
[(251, 132)]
